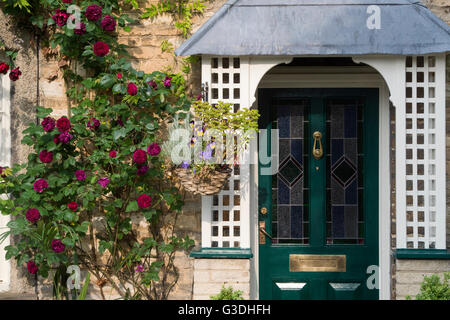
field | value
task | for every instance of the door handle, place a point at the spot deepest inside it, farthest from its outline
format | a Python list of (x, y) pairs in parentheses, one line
[(263, 233), (317, 153)]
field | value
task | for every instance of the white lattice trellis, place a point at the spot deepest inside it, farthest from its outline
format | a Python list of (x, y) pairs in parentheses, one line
[(225, 216), (423, 224)]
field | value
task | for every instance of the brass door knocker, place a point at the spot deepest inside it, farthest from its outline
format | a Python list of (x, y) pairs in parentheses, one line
[(317, 153)]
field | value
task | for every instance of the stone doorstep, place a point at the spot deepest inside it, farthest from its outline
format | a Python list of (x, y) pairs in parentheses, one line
[(17, 296)]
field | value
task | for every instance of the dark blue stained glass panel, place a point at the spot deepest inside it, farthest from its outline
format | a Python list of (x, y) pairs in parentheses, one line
[(344, 172), (291, 118)]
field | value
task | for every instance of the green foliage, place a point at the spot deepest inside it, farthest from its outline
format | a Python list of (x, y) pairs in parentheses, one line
[(228, 294), (128, 121), (181, 10), (433, 289)]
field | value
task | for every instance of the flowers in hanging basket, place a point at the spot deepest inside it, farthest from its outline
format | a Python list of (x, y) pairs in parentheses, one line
[(33, 215), (93, 12), (144, 201), (14, 74), (101, 49), (139, 156), (108, 24), (60, 17), (45, 156), (58, 246), (4, 68), (40, 185), (32, 267)]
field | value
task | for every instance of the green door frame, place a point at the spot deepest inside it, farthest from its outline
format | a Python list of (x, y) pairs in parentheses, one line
[(274, 259)]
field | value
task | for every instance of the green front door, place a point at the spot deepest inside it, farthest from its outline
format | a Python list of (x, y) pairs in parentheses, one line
[(319, 208)]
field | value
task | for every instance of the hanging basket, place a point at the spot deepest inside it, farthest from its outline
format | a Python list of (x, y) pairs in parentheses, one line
[(205, 185)]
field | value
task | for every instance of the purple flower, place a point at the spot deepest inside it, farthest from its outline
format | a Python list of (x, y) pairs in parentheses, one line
[(185, 165), (139, 268), (200, 97), (93, 12), (80, 175), (40, 185), (167, 82), (108, 24), (103, 182), (58, 246), (65, 137), (207, 154), (142, 170)]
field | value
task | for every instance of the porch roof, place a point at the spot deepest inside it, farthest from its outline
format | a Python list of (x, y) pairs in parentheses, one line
[(318, 27)]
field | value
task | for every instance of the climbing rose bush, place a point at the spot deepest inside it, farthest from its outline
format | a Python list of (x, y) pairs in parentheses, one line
[(101, 163)]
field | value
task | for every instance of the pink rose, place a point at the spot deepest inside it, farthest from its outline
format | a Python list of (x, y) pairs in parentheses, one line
[(103, 182), (167, 82), (113, 154), (80, 175)]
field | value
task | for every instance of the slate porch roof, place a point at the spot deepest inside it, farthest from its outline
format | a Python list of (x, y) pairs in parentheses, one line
[(318, 27)]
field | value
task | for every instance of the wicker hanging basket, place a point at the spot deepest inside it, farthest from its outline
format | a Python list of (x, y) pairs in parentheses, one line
[(207, 185)]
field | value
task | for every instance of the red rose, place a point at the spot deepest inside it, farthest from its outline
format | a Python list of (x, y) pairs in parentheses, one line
[(63, 124), (60, 17), (67, 1), (45, 156), (4, 68), (113, 154), (154, 149), (81, 29), (93, 12), (101, 49), (32, 267), (40, 185), (73, 206), (33, 215), (119, 76), (139, 156), (144, 201), (132, 89), (15, 74), (48, 124)]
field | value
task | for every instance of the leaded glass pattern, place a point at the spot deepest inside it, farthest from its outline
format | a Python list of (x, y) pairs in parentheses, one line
[(345, 185), (290, 216)]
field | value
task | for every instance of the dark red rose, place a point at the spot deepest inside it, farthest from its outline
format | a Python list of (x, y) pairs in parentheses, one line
[(93, 124), (60, 17), (108, 24), (93, 12), (81, 29), (139, 156), (113, 154), (63, 124), (80, 175), (65, 137), (144, 201), (58, 246), (142, 170), (56, 139), (154, 149), (67, 1), (32, 267), (73, 206), (15, 74), (132, 89), (101, 49), (40, 185), (45, 156), (4, 68), (33, 215), (48, 124), (119, 76)]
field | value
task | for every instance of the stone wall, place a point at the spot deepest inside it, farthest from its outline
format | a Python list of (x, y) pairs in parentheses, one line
[(211, 274), (410, 274)]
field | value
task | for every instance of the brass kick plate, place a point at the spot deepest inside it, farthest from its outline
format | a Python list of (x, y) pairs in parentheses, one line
[(317, 263)]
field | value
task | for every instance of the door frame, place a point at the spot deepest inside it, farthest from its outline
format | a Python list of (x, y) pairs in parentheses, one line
[(336, 77)]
